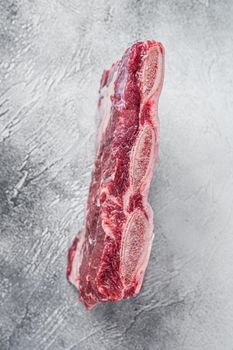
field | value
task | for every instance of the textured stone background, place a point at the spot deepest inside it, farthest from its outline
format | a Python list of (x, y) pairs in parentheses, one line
[(52, 54)]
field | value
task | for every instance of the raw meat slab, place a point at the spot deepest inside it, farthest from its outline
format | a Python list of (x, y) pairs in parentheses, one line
[(109, 256)]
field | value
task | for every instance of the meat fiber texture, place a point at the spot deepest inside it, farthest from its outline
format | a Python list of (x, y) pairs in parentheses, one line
[(109, 256)]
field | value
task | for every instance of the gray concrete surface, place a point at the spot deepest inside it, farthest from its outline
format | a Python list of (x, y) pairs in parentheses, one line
[(52, 54)]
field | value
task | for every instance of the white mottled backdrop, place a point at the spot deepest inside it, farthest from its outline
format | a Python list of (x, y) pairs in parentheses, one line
[(52, 54)]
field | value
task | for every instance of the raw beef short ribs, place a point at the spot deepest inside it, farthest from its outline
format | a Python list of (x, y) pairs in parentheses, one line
[(109, 256)]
